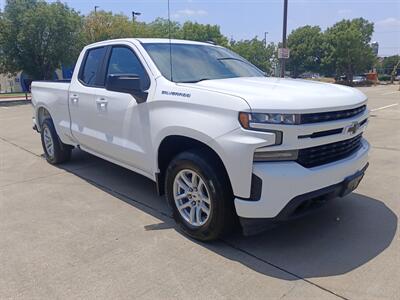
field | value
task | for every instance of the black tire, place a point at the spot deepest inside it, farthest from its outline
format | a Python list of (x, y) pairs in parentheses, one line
[(222, 214), (61, 152)]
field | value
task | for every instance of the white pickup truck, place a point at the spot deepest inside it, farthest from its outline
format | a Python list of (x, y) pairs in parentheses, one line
[(221, 140)]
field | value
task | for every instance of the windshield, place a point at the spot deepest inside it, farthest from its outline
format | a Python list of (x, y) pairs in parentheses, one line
[(194, 63)]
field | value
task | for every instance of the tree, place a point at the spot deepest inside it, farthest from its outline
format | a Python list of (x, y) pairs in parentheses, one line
[(159, 28), (37, 37), (305, 44), (101, 25), (394, 71), (255, 51), (389, 65), (203, 33), (347, 48)]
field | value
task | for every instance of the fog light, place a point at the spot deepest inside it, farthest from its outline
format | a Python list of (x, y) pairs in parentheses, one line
[(262, 155)]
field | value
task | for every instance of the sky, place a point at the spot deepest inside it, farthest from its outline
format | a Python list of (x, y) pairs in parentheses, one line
[(247, 19)]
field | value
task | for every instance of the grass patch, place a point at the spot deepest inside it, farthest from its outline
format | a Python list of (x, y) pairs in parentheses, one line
[(13, 95), (323, 79)]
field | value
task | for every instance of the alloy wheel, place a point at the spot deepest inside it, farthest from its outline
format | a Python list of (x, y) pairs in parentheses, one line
[(192, 197)]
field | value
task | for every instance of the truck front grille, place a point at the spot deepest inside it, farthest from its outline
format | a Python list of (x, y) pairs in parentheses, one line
[(331, 115), (324, 154)]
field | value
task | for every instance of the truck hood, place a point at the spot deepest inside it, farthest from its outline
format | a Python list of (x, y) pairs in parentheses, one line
[(287, 95)]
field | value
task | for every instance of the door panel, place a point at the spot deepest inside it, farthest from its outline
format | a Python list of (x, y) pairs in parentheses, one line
[(121, 119), (82, 100), (125, 138)]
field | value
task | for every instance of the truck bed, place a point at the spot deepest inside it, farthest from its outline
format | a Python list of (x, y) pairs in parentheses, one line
[(53, 95)]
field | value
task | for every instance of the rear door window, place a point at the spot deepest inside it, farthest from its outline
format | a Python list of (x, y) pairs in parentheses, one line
[(93, 62)]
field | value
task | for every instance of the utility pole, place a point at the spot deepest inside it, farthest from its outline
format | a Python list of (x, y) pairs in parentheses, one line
[(284, 42), (265, 44), (135, 13), (265, 38), (95, 9)]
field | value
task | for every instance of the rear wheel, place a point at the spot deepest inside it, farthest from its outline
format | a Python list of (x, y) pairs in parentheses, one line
[(200, 196), (55, 151)]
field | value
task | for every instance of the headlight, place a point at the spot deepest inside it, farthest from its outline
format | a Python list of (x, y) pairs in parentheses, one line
[(255, 120), (247, 122)]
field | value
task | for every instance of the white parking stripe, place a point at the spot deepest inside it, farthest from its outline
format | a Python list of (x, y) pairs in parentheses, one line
[(389, 93), (383, 107)]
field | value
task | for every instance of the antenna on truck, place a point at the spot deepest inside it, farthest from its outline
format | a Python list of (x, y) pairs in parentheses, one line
[(170, 43)]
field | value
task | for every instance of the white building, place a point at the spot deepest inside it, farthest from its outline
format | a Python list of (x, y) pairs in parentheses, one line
[(10, 83)]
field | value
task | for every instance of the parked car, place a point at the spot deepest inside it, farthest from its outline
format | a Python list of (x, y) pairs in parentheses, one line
[(220, 139), (310, 76), (359, 80)]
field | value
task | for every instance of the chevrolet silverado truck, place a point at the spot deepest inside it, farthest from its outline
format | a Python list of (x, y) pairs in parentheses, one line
[(226, 144)]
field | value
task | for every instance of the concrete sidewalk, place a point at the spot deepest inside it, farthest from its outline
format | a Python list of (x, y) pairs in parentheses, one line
[(90, 229)]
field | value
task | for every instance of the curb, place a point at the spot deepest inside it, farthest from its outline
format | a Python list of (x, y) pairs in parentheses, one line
[(14, 102)]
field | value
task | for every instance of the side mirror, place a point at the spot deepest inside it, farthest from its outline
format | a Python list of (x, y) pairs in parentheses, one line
[(126, 83)]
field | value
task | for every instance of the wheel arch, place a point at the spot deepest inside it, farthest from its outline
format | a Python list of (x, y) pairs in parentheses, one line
[(172, 145), (42, 113)]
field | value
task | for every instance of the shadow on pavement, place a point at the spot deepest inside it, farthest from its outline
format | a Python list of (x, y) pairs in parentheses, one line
[(345, 234), (338, 238)]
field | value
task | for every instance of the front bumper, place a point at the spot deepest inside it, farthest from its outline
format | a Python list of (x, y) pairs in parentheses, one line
[(284, 181)]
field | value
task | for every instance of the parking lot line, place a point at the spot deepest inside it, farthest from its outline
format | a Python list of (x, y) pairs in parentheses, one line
[(390, 93), (384, 107)]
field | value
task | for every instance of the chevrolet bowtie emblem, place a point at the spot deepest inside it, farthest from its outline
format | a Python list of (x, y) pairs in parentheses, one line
[(352, 129)]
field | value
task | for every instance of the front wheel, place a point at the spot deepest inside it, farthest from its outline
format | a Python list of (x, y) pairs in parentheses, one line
[(199, 194)]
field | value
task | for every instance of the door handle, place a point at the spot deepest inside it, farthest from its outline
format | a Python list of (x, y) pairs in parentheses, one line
[(102, 102), (74, 98)]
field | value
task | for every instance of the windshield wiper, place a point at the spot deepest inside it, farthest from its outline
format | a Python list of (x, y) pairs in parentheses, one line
[(195, 81), (230, 58)]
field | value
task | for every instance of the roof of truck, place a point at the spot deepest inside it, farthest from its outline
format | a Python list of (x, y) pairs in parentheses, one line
[(152, 40), (175, 41)]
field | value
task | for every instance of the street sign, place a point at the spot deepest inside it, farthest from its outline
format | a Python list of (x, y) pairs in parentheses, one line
[(283, 53)]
